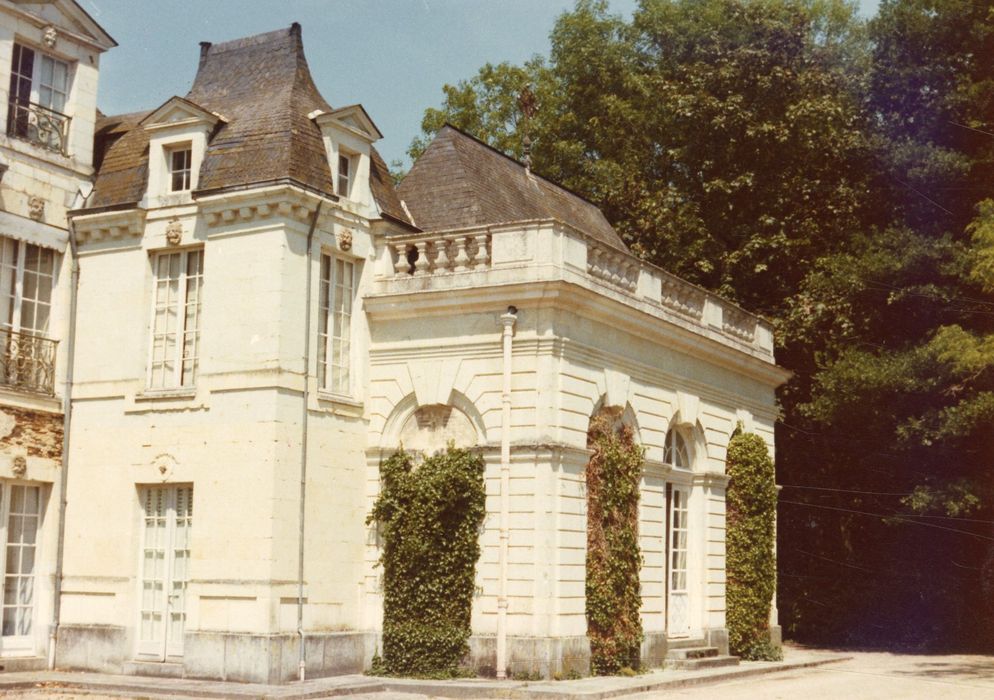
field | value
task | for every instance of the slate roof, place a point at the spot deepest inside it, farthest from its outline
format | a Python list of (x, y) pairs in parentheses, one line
[(460, 181), (263, 87)]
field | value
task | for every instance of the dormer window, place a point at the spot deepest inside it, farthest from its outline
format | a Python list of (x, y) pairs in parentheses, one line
[(39, 91), (178, 136), (344, 174), (180, 166)]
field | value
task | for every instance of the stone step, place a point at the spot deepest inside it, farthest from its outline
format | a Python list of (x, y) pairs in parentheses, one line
[(701, 652), (13, 664), (167, 669), (685, 643), (700, 664)]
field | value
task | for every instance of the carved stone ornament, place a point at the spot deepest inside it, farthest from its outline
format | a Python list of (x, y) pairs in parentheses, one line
[(345, 239), (174, 232), (164, 465), (36, 207), (50, 35), (19, 466)]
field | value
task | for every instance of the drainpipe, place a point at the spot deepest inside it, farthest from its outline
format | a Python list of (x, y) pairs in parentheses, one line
[(507, 321), (53, 634), (302, 664)]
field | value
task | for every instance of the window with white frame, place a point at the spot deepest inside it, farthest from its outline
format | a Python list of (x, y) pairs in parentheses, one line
[(338, 282), (180, 160), (344, 174), (20, 520), (39, 91), (177, 299), (676, 452), (27, 278)]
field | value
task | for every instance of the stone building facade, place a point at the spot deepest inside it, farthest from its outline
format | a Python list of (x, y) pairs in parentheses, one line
[(49, 63), (263, 317)]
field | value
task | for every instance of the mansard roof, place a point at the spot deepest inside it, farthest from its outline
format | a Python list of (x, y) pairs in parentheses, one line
[(460, 182), (263, 87)]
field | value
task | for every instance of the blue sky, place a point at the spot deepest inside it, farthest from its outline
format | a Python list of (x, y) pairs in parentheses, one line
[(393, 56)]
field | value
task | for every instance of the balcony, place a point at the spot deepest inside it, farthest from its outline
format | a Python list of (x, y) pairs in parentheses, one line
[(27, 362), (38, 125), (544, 253)]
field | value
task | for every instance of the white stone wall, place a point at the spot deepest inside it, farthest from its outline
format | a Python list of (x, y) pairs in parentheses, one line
[(54, 179)]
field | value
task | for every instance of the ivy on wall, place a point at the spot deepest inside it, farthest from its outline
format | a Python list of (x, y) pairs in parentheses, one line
[(614, 472), (429, 517), (750, 538)]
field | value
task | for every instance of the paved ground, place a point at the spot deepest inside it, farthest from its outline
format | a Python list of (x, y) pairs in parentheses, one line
[(862, 676), (867, 676)]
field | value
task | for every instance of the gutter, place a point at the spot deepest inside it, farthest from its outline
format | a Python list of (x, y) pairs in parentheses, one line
[(53, 635), (302, 663), (507, 320)]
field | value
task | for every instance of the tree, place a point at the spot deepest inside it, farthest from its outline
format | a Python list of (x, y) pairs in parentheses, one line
[(706, 131)]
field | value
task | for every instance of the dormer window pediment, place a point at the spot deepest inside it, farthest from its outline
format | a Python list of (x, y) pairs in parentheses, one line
[(178, 112)]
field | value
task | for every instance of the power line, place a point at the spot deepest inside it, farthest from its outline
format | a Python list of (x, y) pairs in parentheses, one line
[(892, 517), (825, 488)]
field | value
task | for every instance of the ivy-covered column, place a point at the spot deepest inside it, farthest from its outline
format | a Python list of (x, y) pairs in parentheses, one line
[(429, 517), (750, 555), (614, 560)]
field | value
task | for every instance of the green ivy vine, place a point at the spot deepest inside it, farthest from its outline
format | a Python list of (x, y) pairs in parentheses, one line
[(614, 561), (750, 537), (429, 517)]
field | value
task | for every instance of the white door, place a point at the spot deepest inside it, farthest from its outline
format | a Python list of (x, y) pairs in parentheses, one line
[(168, 514), (678, 605), (20, 508)]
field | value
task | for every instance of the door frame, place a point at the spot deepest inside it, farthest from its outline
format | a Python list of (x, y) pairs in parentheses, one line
[(168, 648)]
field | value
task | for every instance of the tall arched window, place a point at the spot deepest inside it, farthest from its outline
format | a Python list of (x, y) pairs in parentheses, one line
[(676, 452)]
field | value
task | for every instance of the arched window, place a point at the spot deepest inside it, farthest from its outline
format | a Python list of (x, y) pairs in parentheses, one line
[(676, 452)]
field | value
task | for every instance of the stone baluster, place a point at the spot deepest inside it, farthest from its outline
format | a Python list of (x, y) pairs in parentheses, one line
[(462, 257), (594, 262), (442, 255), (482, 259), (402, 266), (615, 277), (421, 264)]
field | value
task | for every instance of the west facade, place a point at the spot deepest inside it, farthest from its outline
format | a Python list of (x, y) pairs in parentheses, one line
[(262, 317)]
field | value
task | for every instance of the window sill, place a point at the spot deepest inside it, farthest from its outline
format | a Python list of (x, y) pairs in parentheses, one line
[(166, 394), (341, 399)]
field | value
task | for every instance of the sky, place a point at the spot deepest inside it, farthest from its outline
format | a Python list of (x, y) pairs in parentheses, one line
[(393, 56)]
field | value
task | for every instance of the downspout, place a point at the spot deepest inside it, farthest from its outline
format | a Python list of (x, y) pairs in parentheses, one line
[(302, 664), (53, 634), (507, 321)]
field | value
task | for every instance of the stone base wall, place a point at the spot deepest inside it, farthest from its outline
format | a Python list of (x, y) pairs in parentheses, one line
[(102, 648), (274, 658)]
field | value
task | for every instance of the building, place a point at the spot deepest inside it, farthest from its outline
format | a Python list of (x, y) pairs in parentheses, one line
[(262, 317), (49, 61)]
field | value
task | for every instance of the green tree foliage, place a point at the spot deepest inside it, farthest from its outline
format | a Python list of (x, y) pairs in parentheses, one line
[(750, 560), (892, 343), (428, 517), (614, 561)]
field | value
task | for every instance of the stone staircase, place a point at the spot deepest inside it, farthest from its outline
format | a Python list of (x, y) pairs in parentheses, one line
[(694, 655)]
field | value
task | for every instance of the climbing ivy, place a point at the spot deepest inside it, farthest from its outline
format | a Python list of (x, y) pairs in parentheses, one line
[(614, 471), (751, 563), (429, 517)]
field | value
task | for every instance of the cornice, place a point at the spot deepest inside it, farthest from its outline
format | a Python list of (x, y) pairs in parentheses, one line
[(113, 225)]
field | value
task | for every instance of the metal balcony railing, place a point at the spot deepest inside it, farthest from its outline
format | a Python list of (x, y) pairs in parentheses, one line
[(38, 125), (27, 361)]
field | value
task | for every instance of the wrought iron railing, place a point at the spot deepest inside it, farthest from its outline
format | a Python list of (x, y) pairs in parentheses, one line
[(38, 125), (27, 361)]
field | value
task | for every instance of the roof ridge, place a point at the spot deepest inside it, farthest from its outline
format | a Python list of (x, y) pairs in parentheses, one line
[(252, 40)]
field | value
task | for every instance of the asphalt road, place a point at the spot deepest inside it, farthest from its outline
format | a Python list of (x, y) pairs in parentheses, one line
[(868, 676)]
